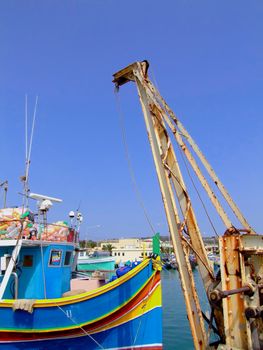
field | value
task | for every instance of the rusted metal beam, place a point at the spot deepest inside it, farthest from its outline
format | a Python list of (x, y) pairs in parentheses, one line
[(171, 164), (221, 212), (127, 74), (180, 188), (238, 298), (236, 326), (203, 159), (157, 138)]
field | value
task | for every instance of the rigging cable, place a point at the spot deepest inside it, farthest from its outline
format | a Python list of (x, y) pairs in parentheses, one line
[(188, 171), (198, 194), (145, 301), (83, 330), (128, 158)]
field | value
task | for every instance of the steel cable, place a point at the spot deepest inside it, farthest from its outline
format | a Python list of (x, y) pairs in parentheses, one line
[(128, 158)]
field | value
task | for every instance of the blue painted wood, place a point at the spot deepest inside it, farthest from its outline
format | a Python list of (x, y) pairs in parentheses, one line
[(148, 329), (84, 311), (31, 285)]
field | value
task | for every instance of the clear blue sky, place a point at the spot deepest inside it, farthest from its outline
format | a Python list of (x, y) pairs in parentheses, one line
[(207, 59)]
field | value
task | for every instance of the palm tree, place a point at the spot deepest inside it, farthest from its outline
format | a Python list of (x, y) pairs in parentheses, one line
[(87, 244), (108, 247)]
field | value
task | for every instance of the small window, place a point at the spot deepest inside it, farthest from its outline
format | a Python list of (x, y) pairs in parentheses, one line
[(67, 260), (122, 254), (115, 254), (28, 261), (55, 258), (119, 254)]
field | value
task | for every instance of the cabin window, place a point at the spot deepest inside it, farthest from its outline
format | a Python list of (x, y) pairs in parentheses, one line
[(67, 259), (55, 258), (28, 261)]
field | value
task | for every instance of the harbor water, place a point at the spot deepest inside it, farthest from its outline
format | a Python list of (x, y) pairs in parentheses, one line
[(176, 330)]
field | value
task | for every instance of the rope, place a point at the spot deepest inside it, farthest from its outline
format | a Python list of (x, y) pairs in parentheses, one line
[(83, 330), (198, 255), (184, 215), (128, 158), (139, 326), (198, 194), (143, 309), (187, 199)]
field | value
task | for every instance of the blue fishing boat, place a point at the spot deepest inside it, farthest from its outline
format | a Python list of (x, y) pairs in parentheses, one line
[(40, 307)]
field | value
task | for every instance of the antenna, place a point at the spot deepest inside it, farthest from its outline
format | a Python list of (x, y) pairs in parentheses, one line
[(28, 147), (44, 202), (43, 197), (26, 142), (5, 187)]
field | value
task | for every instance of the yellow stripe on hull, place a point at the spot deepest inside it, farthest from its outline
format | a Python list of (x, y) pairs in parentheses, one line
[(149, 303)]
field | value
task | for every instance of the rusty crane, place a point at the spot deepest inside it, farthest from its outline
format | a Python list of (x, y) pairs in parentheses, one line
[(236, 295)]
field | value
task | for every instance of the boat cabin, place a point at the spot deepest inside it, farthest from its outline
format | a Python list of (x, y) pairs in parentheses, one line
[(43, 269), (36, 258)]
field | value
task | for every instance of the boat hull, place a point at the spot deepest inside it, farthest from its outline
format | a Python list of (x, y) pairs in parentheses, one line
[(123, 314), (121, 337), (101, 264)]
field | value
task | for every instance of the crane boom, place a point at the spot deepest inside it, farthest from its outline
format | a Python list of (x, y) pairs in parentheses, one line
[(227, 308)]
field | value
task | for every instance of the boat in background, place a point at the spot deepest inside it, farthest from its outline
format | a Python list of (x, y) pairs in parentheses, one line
[(42, 306), (101, 261), (215, 261), (169, 261)]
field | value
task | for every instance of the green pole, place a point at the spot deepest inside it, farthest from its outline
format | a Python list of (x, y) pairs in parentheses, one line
[(156, 243)]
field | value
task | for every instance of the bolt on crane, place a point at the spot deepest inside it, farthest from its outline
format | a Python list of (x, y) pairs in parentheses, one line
[(236, 294)]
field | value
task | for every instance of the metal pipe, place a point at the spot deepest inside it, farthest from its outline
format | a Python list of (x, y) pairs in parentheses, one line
[(217, 295), (16, 284)]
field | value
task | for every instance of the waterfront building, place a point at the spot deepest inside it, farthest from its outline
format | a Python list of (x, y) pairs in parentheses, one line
[(129, 249)]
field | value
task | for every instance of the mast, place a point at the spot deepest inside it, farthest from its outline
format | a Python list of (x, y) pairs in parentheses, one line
[(28, 148), (5, 188), (232, 326)]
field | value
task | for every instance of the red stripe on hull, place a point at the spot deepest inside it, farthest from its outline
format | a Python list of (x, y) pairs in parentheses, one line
[(155, 347), (150, 347)]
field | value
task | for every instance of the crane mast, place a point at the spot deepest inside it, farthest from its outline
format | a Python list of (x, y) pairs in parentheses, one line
[(236, 298)]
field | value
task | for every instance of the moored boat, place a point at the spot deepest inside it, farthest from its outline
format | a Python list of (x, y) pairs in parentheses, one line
[(41, 308), (95, 262)]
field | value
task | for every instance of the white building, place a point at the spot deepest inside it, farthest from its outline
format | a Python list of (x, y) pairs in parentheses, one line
[(130, 249)]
